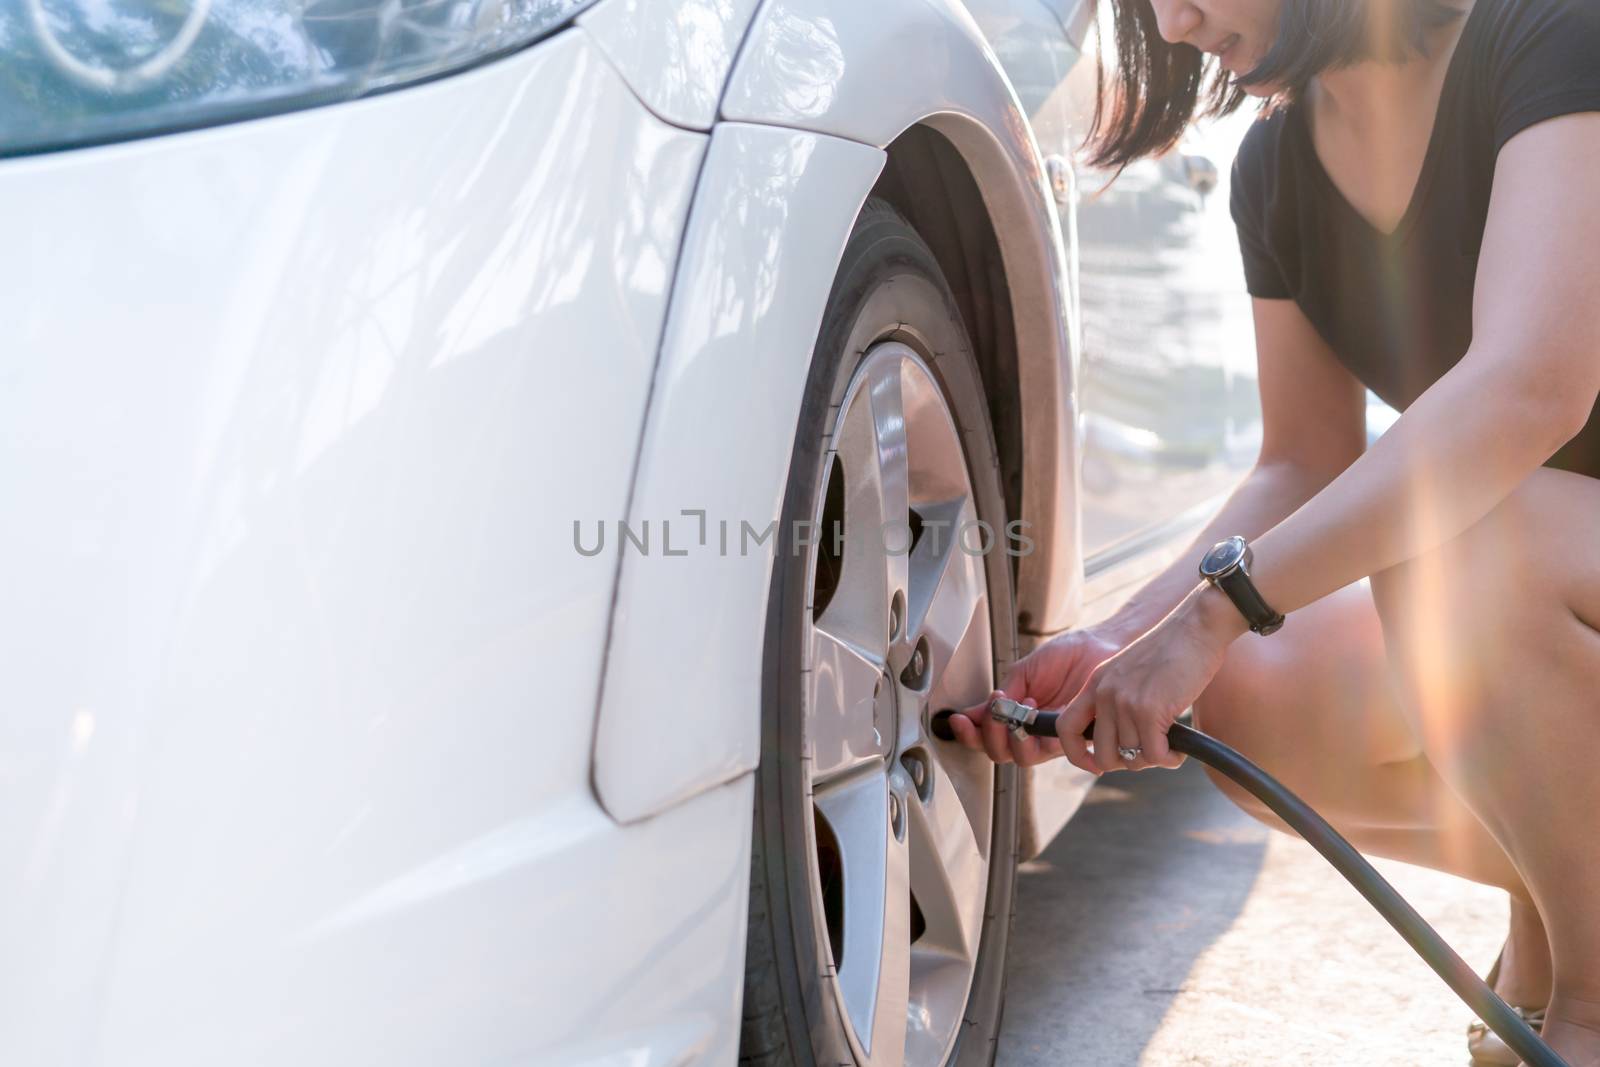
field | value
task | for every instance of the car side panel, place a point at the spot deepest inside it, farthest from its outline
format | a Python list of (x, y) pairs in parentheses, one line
[(680, 711), (298, 414)]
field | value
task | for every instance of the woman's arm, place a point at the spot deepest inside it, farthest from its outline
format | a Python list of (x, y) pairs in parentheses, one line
[(1524, 388), (1313, 416)]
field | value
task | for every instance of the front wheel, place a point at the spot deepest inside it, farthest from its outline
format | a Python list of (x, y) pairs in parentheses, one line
[(883, 861)]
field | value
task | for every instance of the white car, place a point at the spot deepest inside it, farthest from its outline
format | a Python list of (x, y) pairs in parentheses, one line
[(448, 453)]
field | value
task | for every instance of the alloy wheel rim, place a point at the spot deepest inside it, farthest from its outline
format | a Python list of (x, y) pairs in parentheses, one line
[(898, 625)]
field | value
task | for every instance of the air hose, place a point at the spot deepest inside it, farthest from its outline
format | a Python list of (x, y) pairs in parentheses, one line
[(1300, 816)]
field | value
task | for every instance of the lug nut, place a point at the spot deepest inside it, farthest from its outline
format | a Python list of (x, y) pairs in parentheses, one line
[(915, 676), (916, 765)]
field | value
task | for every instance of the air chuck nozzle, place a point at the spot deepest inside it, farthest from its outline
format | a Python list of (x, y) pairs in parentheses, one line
[(1020, 718)]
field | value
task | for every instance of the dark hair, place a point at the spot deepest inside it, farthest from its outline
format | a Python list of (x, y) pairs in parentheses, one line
[(1161, 87)]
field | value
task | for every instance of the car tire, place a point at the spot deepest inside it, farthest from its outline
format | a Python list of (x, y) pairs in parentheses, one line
[(889, 291)]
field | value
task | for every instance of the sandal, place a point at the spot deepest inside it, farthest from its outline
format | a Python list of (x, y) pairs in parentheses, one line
[(1484, 1044)]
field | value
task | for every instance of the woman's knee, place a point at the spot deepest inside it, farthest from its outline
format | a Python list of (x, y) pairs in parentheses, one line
[(1227, 705), (1243, 704), (1231, 709), (1309, 707)]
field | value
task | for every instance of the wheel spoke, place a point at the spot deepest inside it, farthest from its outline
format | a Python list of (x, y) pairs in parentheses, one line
[(872, 449), (950, 607), (874, 975), (939, 986), (894, 969), (936, 556), (938, 467), (948, 871), (850, 724)]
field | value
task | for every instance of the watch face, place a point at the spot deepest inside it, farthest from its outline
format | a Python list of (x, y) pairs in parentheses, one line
[(1223, 554)]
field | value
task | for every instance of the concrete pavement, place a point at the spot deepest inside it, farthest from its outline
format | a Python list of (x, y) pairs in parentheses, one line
[(1165, 928)]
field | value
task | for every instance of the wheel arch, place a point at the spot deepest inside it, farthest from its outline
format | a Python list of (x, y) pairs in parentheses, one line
[(963, 167), (926, 180), (936, 186)]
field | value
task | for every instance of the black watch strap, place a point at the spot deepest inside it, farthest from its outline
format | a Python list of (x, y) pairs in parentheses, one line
[(1242, 591)]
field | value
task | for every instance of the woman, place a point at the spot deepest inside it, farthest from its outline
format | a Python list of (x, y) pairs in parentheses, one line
[(1418, 214)]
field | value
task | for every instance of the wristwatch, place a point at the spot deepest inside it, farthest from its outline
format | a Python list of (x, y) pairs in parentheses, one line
[(1227, 566)]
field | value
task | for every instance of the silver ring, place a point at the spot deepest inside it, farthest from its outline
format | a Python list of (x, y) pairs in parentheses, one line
[(1129, 754)]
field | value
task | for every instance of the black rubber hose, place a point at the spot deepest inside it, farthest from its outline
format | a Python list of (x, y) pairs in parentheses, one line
[(1422, 938)]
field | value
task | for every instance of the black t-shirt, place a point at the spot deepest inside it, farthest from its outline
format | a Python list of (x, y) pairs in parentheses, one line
[(1397, 308)]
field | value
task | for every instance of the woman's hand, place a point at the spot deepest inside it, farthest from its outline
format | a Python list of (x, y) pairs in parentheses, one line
[(1134, 697), (1132, 694), (1047, 677)]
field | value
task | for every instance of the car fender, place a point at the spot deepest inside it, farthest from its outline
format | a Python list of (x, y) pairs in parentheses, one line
[(807, 114), (682, 680)]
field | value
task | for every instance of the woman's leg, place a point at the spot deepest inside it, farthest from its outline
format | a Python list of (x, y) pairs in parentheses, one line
[(1315, 704), (1495, 648)]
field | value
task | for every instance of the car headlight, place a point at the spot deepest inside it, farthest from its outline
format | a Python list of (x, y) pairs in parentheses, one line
[(76, 72)]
